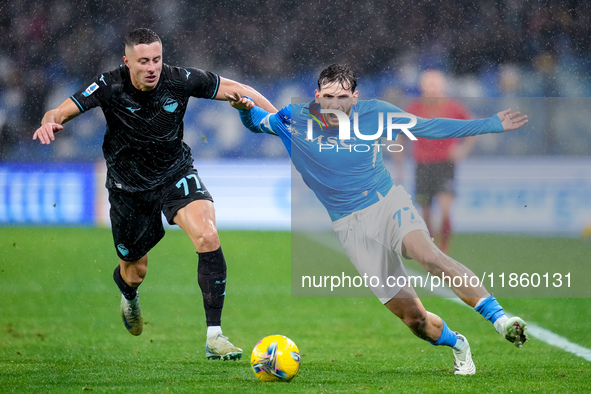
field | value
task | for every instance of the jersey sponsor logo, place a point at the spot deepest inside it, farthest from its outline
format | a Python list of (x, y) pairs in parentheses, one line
[(188, 72), (291, 130), (122, 249), (132, 110), (170, 105), (90, 90)]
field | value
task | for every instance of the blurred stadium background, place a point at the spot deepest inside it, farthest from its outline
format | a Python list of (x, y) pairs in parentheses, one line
[(534, 56), (59, 328)]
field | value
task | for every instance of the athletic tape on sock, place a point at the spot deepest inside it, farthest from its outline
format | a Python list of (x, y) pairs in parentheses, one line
[(490, 309)]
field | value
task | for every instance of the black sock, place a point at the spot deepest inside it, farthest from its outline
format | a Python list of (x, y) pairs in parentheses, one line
[(128, 292), (212, 281)]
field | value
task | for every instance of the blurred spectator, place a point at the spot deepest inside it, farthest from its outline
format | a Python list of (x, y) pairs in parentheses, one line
[(436, 159)]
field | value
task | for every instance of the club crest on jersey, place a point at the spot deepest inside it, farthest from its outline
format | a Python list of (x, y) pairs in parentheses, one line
[(90, 90), (122, 249), (317, 118), (170, 105)]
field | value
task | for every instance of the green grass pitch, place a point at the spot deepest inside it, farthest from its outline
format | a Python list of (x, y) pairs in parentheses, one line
[(60, 328)]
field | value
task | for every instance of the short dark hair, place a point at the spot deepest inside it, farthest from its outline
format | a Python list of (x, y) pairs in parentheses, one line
[(141, 36), (340, 73)]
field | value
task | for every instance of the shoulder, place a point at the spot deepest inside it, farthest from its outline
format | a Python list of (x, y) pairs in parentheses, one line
[(366, 105), (277, 123), (302, 112), (374, 105), (114, 80), (197, 82), (108, 82), (115, 76), (185, 73), (178, 73), (285, 113), (171, 72)]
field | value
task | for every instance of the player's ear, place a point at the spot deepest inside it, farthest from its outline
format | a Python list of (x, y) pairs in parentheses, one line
[(126, 61), (355, 96), (316, 95)]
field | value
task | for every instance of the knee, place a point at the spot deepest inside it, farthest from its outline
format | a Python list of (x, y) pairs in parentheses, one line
[(134, 273), (207, 240), (135, 281)]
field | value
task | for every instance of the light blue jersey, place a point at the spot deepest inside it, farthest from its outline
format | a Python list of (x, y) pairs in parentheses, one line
[(349, 175)]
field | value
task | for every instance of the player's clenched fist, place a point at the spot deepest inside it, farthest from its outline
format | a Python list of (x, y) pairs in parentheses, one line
[(46, 133)]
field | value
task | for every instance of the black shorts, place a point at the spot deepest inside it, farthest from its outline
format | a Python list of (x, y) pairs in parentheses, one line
[(432, 179), (136, 217)]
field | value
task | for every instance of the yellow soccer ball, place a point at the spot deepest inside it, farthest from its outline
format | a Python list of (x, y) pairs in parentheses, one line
[(275, 358)]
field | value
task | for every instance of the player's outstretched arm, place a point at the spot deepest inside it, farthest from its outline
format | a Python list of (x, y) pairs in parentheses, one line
[(456, 128), (511, 120), (53, 119), (228, 86)]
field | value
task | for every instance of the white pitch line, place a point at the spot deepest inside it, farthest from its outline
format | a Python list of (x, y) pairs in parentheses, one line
[(533, 329), (546, 336)]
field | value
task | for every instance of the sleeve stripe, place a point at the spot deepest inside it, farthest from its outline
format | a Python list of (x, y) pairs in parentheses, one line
[(77, 103), (217, 86), (265, 126)]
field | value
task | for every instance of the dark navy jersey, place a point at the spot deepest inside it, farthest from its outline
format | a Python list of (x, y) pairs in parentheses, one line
[(143, 143)]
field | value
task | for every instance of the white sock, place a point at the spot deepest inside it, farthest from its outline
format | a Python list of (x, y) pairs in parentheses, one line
[(500, 323), (213, 330), (482, 299), (459, 344)]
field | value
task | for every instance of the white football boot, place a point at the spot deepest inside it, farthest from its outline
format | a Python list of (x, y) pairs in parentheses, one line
[(463, 364), (132, 315), (514, 330), (219, 347)]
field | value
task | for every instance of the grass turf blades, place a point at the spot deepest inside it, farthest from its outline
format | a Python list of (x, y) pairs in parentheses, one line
[(60, 329)]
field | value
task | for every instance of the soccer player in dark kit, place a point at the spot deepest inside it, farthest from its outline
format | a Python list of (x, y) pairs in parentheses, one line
[(150, 170)]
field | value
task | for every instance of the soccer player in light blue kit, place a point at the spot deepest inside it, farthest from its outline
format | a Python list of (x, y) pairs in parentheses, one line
[(375, 220)]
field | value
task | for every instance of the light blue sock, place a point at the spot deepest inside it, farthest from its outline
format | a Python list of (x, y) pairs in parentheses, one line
[(490, 309), (447, 338)]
